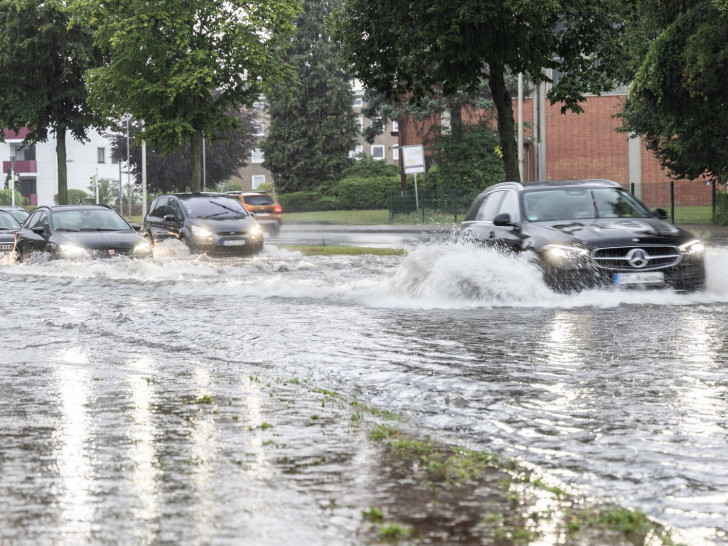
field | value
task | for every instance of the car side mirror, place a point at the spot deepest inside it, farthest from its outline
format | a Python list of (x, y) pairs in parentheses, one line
[(39, 230), (169, 218), (136, 226), (503, 219), (660, 213)]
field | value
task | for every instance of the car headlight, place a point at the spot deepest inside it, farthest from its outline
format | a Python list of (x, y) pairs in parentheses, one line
[(692, 247), (563, 254), (72, 251), (256, 231), (143, 248), (201, 233)]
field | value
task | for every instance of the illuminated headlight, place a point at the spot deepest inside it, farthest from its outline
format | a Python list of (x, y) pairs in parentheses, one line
[(562, 254), (256, 231), (143, 248), (201, 233), (693, 247), (72, 251)]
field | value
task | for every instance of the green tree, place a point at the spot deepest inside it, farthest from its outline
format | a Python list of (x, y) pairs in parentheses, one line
[(169, 171), (312, 124), (412, 49), (183, 66), (44, 55), (678, 96)]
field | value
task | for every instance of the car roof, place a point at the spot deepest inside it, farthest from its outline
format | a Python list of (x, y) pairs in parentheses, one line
[(184, 195), (591, 183), (54, 208)]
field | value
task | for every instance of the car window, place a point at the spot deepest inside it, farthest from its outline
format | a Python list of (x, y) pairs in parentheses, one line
[(618, 204), (509, 205), (258, 200), (559, 204), (489, 207), (7, 221), (91, 219), (173, 209), (213, 207), (159, 208)]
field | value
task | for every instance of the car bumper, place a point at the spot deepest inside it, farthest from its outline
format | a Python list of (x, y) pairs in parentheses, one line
[(230, 246)]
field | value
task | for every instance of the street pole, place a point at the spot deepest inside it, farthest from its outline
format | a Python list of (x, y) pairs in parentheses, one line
[(128, 166), (121, 192), (204, 178), (96, 182), (144, 176), (12, 179), (520, 125)]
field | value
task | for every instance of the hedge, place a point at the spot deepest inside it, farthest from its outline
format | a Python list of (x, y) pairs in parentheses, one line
[(366, 193)]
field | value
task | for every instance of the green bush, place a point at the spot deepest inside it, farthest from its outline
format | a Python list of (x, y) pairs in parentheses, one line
[(721, 209), (300, 201), (6, 198), (367, 193), (75, 197)]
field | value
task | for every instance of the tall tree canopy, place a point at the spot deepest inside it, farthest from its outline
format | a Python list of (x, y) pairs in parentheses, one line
[(403, 48), (183, 66), (168, 172), (44, 55), (312, 124), (678, 99)]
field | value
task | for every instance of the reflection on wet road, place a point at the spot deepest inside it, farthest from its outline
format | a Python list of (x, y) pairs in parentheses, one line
[(137, 407)]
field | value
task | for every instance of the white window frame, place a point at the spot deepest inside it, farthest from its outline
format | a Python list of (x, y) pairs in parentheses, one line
[(101, 155), (359, 149), (395, 152), (380, 151), (257, 180), (259, 128), (360, 123), (358, 102), (395, 126), (257, 156)]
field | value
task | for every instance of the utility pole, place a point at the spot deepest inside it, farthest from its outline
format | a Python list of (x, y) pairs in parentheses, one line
[(12, 179)]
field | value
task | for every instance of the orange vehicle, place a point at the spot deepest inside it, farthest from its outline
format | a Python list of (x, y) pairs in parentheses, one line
[(264, 208)]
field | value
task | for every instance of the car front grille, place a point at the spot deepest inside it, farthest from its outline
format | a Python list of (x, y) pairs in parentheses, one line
[(4, 247), (636, 258)]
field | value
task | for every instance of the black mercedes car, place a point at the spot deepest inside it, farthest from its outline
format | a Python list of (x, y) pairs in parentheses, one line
[(8, 227), (586, 234), (211, 223), (79, 231)]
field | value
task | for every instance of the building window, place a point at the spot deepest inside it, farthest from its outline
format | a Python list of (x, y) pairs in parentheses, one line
[(258, 156), (358, 102), (258, 128), (101, 155), (395, 152), (395, 127), (360, 124), (258, 179), (356, 152), (377, 151)]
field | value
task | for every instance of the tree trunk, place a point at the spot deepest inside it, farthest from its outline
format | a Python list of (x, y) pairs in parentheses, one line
[(506, 125), (196, 162), (62, 166)]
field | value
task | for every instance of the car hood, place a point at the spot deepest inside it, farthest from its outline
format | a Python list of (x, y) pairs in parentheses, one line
[(601, 231), (225, 225), (98, 239)]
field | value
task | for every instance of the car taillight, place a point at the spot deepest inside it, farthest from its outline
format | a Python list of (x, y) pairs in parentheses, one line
[(277, 208)]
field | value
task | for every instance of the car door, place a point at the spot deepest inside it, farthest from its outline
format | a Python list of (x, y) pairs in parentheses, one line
[(173, 218), (154, 221), (508, 235), (479, 227), (34, 235)]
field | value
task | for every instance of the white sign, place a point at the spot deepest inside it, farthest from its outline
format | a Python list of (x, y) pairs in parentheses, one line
[(414, 159)]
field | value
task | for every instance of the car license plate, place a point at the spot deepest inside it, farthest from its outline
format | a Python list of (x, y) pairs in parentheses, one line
[(262, 214), (234, 242), (6, 247), (645, 277)]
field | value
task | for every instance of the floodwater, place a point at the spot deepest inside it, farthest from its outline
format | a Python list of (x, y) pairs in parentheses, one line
[(161, 401)]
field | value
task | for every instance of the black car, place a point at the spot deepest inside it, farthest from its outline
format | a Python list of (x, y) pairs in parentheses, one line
[(79, 231), (8, 227), (212, 223), (19, 213), (586, 234)]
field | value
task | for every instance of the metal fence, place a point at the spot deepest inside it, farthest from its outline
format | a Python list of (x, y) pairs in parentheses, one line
[(686, 201), (429, 207)]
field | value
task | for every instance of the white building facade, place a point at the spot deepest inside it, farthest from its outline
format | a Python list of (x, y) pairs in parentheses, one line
[(37, 166)]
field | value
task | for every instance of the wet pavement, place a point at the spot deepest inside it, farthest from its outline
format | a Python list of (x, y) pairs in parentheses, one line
[(182, 400)]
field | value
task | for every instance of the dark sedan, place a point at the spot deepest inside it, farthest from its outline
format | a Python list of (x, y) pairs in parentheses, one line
[(8, 228), (19, 213), (79, 231), (586, 234), (211, 223)]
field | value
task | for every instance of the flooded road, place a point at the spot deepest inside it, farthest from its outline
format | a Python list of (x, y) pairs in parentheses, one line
[(141, 400)]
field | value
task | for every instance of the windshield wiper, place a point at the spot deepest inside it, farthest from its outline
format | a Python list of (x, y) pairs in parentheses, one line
[(67, 229), (238, 212)]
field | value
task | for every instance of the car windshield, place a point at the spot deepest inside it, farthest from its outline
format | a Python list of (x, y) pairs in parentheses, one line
[(88, 220), (258, 200), (19, 214), (580, 204), (213, 207), (8, 222)]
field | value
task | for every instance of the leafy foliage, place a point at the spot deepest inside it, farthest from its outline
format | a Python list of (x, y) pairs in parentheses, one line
[(169, 172), (183, 67), (402, 48), (312, 125), (466, 159), (678, 97), (44, 55)]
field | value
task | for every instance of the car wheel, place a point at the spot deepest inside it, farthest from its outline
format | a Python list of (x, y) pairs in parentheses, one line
[(150, 239), (188, 244)]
